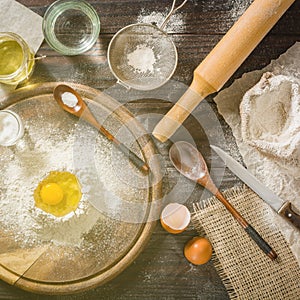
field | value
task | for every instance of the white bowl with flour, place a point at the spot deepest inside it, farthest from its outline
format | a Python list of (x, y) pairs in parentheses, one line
[(11, 128)]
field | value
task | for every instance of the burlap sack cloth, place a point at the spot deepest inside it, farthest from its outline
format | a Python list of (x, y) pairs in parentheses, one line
[(245, 270)]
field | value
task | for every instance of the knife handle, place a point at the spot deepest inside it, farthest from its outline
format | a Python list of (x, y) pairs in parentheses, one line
[(289, 214)]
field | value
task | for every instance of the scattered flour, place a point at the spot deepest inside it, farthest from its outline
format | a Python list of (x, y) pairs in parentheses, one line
[(239, 7), (235, 10), (142, 59), (175, 24)]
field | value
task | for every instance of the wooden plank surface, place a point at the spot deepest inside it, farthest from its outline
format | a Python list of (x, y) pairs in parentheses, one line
[(161, 272)]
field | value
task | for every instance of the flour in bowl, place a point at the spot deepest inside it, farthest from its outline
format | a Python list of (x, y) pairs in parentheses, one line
[(142, 59)]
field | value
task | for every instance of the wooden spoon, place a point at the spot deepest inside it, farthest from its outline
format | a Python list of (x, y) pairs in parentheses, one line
[(81, 110), (189, 162)]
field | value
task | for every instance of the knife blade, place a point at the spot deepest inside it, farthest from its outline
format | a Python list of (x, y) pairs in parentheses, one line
[(283, 208)]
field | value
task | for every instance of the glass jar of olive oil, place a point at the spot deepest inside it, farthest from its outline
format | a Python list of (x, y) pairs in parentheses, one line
[(16, 59)]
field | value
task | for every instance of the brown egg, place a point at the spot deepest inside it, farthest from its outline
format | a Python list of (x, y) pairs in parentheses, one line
[(198, 250)]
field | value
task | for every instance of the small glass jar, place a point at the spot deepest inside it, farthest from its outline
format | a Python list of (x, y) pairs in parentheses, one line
[(71, 27), (11, 128), (16, 59)]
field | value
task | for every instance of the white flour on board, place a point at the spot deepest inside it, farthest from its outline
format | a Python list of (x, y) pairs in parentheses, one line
[(30, 224), (55, 141), (43, 149)]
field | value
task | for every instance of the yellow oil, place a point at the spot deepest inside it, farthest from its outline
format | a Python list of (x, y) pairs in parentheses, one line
[(13, 67)]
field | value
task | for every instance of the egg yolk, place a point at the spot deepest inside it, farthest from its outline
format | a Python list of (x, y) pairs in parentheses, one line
[(58, 194), (51, 194)]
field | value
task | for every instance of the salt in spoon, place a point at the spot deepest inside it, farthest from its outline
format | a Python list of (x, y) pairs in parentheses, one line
[(81, 110), (189, 162)]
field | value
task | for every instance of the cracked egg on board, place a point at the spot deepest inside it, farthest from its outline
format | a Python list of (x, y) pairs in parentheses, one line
[(270, 116), (58, 194)]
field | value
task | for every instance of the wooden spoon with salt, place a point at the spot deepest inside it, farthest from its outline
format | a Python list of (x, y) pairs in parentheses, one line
[(81, 110)]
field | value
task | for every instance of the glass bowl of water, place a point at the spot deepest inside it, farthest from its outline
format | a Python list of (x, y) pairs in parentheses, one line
[(71, 27)]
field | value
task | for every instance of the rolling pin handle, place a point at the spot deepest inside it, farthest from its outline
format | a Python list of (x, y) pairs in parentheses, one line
[(198, 90), (225, 58)]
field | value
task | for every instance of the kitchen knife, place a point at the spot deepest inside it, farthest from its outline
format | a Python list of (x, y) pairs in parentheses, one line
[(282, 207)]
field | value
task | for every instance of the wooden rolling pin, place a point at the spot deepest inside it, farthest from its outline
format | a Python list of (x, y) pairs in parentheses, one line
[(223, 61)]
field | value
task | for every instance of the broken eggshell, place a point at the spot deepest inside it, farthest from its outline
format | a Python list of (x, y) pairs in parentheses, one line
[(175, 218)]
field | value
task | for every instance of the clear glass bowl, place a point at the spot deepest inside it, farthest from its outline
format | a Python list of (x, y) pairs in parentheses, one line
[(71, 27)]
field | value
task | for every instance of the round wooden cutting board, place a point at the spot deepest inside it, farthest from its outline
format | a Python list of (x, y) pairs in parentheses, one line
[(44, 266)]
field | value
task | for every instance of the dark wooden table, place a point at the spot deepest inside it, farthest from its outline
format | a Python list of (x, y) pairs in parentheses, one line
[(161, 271)]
